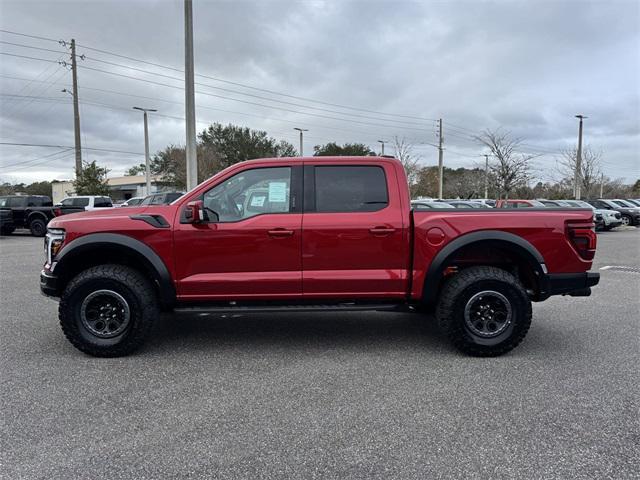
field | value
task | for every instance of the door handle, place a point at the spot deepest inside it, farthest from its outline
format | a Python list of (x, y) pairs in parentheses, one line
[(381, 231), (280, 232)]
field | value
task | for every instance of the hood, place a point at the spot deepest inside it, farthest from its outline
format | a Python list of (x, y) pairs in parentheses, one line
[(107, 214)]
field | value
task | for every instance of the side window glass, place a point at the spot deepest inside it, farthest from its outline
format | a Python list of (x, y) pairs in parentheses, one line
[(17, 201), (250, 193), (67, 202), (350, 188), (80, 202)]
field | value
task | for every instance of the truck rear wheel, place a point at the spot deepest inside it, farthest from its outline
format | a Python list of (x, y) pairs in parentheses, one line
[(38, 227), (484, 311), (108, 310)]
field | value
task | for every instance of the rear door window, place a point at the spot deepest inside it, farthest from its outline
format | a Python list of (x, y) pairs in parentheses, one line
[(350, 188), (80, 202)]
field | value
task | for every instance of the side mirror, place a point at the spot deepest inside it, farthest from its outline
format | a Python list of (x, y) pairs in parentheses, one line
[(194, 213)]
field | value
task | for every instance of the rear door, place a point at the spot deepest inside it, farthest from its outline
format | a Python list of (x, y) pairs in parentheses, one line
[(353, 233)]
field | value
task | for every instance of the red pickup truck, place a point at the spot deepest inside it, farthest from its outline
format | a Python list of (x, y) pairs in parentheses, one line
[(308, 234)]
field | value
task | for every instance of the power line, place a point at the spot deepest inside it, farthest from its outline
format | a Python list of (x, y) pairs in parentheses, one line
[(44, 145), (35, 159), (248, 102), (273, 92), (32, 47), (68, 155), (29, 36), (28, 57), (252, 95)]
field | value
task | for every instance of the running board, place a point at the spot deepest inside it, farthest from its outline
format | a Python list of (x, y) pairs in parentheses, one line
[(291, 308)]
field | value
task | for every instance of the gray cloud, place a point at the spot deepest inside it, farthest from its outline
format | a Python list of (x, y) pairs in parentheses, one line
[(525, 66)]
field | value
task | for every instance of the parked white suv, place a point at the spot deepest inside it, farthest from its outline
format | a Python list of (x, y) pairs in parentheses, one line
[(88, 202)]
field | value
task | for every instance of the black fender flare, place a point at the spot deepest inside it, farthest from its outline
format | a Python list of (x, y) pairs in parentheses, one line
[(151, 259), (517, 244), (36, 214)]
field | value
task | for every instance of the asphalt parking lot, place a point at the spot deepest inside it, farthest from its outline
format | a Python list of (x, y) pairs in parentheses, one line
[(355, 395)]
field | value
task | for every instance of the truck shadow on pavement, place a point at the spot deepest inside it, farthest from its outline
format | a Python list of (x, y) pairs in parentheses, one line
[(342, 330)]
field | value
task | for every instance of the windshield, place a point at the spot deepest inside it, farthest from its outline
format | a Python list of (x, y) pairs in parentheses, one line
[(622, 203)]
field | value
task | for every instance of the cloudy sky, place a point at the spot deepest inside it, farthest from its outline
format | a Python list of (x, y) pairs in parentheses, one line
[(348, 71)]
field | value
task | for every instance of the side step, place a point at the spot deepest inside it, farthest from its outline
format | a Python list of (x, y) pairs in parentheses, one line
[(232, 307)]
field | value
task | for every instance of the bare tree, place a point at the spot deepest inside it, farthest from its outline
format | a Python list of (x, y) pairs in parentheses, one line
[(510, 168), (591, 173), (404, 153)]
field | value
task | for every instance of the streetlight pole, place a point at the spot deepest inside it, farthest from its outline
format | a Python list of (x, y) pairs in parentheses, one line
[(190, 103), (578, 176), (146, 146), (382, 142), (301, 143)]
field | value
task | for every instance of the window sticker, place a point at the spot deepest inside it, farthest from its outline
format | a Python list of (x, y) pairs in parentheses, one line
[(277, 192), (258, 200)]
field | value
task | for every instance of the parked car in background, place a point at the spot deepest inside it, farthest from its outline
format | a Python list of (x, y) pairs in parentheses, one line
[(25, 211), (519, 204), (132, 202), (624, 203), (554, 203), (466, 204), (610, 218), (485, 201), (164, 198), (429, 204), (633, 202), (86, 202), (629, 215)]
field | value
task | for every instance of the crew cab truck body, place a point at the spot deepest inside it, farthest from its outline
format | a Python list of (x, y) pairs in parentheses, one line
[(313, 233)]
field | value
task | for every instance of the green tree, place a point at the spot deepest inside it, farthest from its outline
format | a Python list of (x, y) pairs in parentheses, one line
[(92, 180), (39, 188), (348, 149), (136, 170), (231, 144)]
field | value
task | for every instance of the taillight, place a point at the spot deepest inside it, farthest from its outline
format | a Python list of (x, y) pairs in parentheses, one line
[(583, 238)]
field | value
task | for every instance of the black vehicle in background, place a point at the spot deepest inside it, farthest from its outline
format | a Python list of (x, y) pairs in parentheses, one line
[(164, 198), (25, 211), (630, 214)]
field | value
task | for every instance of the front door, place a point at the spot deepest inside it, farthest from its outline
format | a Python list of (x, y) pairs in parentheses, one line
[(354, 240), (252, 250)]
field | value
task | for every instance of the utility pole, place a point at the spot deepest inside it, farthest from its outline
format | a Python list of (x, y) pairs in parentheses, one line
[(486, 176), (440, 169), (190, 103), (382, 142), (578, 176), (146, 147), (601, 185), (301, 143), (76, 109)]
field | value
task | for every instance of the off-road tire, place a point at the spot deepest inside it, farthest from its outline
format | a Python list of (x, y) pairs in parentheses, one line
[(126, 282), (461, 288), (38, 227)]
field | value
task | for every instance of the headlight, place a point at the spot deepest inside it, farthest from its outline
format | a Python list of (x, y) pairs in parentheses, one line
[(53, 243)]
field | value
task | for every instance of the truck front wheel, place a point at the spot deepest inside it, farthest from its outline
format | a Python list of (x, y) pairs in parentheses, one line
[(484, 311), (108, 310)]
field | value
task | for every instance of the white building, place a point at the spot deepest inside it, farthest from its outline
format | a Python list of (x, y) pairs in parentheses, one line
[(121, 188)]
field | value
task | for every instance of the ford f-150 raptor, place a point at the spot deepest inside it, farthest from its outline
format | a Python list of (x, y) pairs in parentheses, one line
[(307, 234)]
